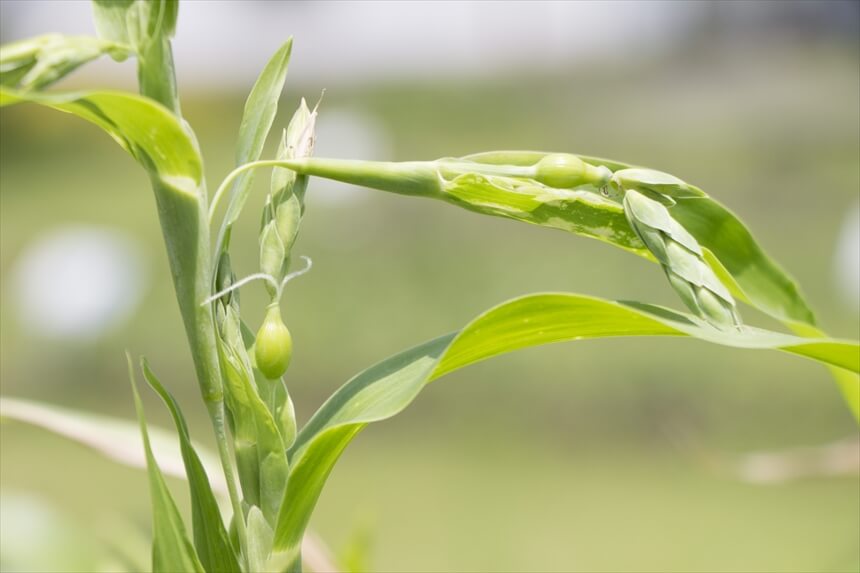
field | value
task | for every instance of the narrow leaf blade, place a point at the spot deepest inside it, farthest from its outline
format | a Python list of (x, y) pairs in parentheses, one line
[(388, 387), (172, 551), (260, 110), (210, 536)]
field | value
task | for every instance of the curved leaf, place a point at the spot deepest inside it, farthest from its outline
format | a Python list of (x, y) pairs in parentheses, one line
[(158, 141), (37, 62), (388, 387), (582, 210), (764, 284), (210, 536), (172, 551), (144, 128)]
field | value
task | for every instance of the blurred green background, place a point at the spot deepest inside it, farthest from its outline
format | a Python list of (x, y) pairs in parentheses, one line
[(608, 455)]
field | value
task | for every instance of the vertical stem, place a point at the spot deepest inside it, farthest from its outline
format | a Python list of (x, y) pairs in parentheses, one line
[(216, 414), (192, 275)]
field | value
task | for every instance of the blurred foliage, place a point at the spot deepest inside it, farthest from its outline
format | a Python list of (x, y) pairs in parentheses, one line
[(576, 460)]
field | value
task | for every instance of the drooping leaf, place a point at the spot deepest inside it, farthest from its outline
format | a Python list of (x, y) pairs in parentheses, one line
[(172, 551), (210, 536), (160, 143), (729, 247), (148, 131), (766, 286), (583, 211), (260, 110), (847, 382), (38, 62), (388, 387)]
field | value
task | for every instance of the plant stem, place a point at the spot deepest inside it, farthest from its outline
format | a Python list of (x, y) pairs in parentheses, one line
[(407, 178), (225, 184), (216, 415), (157, 80)]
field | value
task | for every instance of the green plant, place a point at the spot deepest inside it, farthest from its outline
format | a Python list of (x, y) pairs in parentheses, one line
[(708, 255)]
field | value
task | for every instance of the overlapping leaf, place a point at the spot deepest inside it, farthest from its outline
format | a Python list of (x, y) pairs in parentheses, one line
[(765, 285), (120, 441), (583, 211), (210, 536), (172, 551), (388, 387)]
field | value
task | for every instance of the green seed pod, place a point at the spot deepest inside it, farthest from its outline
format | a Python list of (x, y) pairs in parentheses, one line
[(564, 171), (273, 348)]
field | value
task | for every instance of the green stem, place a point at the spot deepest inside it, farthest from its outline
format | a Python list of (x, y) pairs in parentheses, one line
[(406, 178), (216, 414), (225, 184), (192, 275)]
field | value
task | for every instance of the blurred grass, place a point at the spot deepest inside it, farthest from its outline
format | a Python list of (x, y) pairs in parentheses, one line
[(573, 466)]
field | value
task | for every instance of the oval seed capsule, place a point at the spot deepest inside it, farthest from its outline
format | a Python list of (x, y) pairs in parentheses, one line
[(273, 348), (564, 171), (560, 170)]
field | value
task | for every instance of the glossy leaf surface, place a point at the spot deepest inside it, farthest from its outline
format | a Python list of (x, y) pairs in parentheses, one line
[(388, 387), (172, 551), (210, 536)]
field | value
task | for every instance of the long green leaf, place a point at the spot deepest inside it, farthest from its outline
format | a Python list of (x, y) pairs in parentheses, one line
[(387, 388), (765, 285), (172, 551), (260, 110), (729, 247), (147, 130), (847, 382), (210, 536)]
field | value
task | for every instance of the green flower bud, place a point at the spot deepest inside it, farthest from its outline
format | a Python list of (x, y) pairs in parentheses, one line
[(273, 348), (564, 171)]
